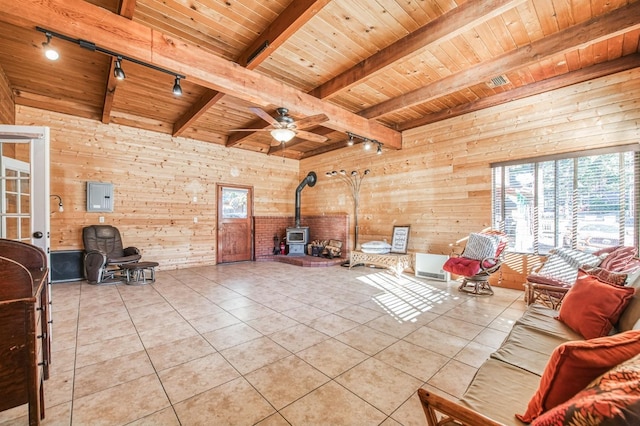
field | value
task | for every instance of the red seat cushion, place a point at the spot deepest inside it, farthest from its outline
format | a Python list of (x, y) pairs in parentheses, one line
[(462, 266), (547, 280)]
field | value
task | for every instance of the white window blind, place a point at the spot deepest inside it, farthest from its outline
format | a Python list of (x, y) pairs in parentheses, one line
[(585, 201)]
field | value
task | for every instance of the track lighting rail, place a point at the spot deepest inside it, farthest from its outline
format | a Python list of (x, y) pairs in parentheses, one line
[(119, 56), (366, 141)]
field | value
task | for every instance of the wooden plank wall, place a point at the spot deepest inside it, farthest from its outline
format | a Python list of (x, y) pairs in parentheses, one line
[(440, 182), (7, 103), (155, 178)]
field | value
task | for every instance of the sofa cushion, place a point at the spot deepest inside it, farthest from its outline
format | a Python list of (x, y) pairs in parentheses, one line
[(592, 307), (547, 280), (516, 387), (481, 246), (376, 247), (604, 275), (613, 398), (542, 319), (561, 267), (530, 348), (573, 365), (631, 314)]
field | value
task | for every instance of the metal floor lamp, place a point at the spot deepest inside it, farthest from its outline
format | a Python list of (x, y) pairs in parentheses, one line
[(353, 180)]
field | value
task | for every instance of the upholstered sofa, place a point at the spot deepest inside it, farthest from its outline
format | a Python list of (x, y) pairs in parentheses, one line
[(542, 368)]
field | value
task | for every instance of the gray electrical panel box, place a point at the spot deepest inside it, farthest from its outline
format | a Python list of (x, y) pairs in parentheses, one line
[(99, 197)]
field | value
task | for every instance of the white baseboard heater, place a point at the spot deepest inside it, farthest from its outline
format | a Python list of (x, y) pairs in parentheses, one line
[(430, 266)]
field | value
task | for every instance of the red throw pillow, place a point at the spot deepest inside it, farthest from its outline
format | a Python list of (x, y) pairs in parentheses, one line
[(573, 365), (613, 398), (592, 307)]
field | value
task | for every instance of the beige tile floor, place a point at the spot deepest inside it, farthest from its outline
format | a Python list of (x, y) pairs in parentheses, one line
[(265, 343)]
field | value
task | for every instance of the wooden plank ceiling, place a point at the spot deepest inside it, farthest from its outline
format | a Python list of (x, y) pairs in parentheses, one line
[(375, 68)]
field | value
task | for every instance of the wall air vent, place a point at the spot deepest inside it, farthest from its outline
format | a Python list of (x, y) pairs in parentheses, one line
[(258, 51), (498, 81)]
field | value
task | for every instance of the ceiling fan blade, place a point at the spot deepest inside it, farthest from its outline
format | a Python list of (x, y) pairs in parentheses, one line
[(312, 121), (310, 136), (266, 117), (268, 129), (275, 143)]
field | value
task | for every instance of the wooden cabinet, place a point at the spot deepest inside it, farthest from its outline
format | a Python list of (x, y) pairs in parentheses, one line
[(25, 349)]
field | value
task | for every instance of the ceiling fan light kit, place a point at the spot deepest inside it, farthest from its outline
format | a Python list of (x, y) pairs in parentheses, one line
[(283, 135), (283, 127)]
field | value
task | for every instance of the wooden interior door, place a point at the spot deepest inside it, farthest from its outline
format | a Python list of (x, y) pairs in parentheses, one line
[(235, 223)]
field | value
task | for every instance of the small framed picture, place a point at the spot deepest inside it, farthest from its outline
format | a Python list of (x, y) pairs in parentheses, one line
[(400, 239)]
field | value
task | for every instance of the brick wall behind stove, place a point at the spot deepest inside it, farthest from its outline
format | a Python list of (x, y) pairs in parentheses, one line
[(325, 227), (328, 227), (265, 227)]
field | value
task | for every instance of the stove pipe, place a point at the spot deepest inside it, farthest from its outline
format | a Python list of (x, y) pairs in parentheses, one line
[(309, 180)]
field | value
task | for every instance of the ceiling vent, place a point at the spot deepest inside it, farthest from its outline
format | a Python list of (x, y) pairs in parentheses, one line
[(498, 81)]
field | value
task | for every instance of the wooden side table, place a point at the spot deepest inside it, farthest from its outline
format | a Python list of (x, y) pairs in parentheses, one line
[(397, 263)]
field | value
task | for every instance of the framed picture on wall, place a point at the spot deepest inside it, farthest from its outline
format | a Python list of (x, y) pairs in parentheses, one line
[(400, 239)]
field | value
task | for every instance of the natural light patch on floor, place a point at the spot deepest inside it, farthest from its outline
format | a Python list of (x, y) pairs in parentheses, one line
[(404, 297)]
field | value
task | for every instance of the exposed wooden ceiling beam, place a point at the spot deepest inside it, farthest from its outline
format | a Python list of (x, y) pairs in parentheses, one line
[(449, 25), (8, 99), (109, 94), (325, 148), (595, 71), (297, 14), (202, 105), (125, 9), (286, 24), (613, 23), (82, 20), (237, 137)]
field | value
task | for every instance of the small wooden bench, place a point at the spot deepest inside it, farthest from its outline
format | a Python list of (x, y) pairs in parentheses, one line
[(136, 273), (397, 263)]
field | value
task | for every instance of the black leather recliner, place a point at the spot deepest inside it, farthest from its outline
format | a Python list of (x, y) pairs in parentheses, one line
[(104, 253)]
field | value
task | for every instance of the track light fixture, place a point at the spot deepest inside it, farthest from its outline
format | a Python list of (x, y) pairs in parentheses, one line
[(367, 143), (49, 51), (118, 72), (350, 141), (177, 90)]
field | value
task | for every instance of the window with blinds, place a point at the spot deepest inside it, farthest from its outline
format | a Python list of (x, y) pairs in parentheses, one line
[(583, 200)]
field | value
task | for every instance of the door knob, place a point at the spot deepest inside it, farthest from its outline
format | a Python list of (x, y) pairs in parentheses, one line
[(37, 234)]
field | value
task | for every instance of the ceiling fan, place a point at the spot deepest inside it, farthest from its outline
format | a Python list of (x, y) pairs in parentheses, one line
[(283, 127)]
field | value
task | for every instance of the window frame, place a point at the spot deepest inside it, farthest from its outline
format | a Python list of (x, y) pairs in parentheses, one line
[(499, 180)]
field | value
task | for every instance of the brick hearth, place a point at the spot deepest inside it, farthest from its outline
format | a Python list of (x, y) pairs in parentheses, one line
[(321, 227)]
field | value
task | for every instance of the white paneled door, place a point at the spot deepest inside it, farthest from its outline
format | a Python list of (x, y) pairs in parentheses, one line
[(24, 185)]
